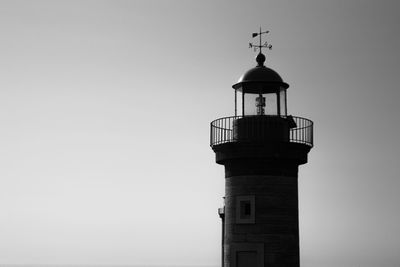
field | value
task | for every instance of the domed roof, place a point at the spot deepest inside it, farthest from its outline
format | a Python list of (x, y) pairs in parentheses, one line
[(260, 77), (260, 74)]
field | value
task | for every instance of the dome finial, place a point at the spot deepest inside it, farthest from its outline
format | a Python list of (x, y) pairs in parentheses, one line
[(260, 57)]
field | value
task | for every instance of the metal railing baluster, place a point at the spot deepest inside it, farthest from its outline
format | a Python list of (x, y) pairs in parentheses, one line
[(222, 130)]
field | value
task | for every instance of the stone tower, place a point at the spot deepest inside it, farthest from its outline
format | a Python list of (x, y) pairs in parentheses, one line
[(261, 148)]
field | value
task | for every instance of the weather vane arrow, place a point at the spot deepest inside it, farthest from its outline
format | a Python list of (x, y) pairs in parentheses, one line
[(260, 45)]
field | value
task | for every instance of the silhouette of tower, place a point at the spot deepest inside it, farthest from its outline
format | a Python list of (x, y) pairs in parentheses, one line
[(261, 148)]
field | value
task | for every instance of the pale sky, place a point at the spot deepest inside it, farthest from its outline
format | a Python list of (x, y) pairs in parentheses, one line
[(105, 109)]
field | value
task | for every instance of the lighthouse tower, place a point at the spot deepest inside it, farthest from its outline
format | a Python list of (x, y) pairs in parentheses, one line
[(261, 148)]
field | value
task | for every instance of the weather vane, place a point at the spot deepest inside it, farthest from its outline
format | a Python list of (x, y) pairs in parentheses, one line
[(261, 45)]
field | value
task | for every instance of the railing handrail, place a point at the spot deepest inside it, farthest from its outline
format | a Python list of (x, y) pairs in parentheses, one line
[(222, 130)]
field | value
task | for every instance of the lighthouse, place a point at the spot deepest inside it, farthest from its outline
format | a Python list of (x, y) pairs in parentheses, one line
[(261, 148)]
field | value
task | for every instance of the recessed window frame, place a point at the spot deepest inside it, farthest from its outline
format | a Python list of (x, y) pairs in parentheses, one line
[(245, 209), (236, 248)]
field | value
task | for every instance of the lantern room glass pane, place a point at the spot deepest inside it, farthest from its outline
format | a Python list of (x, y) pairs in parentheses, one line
[(250, 104), (282, 98), (239, 103), (271, 104)]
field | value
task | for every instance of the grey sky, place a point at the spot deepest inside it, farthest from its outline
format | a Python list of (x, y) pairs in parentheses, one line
[(105, 109)]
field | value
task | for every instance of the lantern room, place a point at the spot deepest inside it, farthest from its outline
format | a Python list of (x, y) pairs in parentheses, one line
[(260, 91)]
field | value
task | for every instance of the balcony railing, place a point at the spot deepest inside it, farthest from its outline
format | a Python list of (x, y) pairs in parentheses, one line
[(261, 129)]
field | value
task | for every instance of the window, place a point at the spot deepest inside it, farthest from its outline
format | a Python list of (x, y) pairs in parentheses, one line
[(245, 209)]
